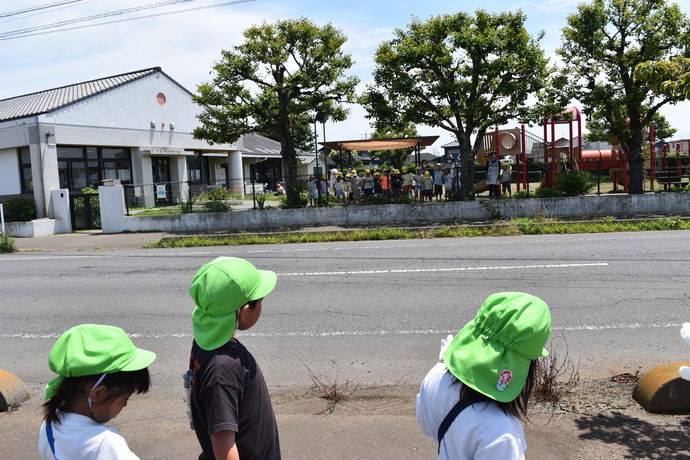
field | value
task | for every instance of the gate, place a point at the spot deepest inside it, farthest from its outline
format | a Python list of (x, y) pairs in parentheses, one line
[(86, 211)]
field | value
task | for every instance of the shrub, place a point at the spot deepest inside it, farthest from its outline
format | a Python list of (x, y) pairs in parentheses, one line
[(216, 206), (575, 183), (543, 192), (522, 194), (403, 199), (7, 243), (20, 209), (376, 199), (89, 191), (217, 194)]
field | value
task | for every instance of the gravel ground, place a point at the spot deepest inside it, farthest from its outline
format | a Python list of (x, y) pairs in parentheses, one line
[(597, 420)]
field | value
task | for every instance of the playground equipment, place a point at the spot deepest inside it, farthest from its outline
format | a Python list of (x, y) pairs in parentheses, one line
[(551, 156)]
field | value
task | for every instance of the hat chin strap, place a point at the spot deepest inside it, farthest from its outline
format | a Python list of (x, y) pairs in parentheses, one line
[(98, 382)]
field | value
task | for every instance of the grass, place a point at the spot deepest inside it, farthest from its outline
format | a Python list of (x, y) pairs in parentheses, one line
[(521, 226)]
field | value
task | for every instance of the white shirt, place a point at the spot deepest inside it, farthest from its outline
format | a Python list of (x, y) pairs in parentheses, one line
[(78, 437), (480, 432)]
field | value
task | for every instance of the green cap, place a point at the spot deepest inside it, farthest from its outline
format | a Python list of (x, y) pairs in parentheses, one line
[(493, 352), (92, 349), (219, 289)]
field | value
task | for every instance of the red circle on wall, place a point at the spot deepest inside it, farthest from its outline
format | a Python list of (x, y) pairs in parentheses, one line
[(160, 97)]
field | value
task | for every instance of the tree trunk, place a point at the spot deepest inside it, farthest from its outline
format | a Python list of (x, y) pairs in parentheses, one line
[(466, 165), (635, 167)]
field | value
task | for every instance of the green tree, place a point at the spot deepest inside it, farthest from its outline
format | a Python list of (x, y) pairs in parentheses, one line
[(602, 44), (666, 78), (396, 157), (459, 72), (271, 82), (599, 128)]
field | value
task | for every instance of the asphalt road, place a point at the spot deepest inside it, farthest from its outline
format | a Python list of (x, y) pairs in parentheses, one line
[(374, 310), (371, 313)]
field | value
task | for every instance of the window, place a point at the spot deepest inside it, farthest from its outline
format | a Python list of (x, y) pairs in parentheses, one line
[(81, 167), (25, 170)]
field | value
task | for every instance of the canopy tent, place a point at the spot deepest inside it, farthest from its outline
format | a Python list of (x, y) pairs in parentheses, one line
[(383, 144)]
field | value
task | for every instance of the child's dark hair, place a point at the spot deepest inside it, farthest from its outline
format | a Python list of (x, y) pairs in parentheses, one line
[(117, 384), (516, 407)]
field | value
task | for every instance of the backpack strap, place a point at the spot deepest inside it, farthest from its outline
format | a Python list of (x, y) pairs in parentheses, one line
[(453, 414), (51, 438)]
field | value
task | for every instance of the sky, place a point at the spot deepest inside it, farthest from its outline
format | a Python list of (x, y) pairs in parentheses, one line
[(186, 44)]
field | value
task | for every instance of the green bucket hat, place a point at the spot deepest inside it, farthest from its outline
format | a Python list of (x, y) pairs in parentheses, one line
[(92, 349), (219, 289), (493, 352)]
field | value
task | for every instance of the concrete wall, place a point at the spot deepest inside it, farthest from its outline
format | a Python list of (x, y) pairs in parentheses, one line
[(469, 211)]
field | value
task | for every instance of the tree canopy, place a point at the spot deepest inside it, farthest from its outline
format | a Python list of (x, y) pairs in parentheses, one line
[(602, 45), (666, 78), (271, 82), (459, 72)]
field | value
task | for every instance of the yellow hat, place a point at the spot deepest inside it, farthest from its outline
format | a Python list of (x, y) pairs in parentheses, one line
[(427, 174)]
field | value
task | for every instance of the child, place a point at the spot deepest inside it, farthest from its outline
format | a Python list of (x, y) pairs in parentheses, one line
[(428, 182), (448, 183), (418, 184), (489, 365), (408, 181), (355, 187), (339, 188), (437, 175), (505, 180), (98, 369), (313, 190), (231, 409)]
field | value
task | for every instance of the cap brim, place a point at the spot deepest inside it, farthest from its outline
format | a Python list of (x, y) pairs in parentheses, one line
[(142, 359), (266, 286)]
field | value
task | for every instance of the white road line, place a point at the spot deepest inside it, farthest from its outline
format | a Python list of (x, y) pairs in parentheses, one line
[(360, 333), (452, 269)]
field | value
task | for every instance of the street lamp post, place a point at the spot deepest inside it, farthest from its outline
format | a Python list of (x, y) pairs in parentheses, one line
[(319, 116)]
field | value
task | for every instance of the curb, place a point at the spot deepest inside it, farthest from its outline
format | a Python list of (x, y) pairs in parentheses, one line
[(12, 391)]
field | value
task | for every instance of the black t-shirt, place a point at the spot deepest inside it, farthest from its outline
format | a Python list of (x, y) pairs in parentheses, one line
[(229, 393)]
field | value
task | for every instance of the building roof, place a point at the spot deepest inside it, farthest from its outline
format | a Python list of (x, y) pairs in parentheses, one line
[(50, 100)]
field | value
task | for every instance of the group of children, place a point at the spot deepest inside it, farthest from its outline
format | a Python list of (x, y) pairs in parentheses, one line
[(422, 183), (489, 365)]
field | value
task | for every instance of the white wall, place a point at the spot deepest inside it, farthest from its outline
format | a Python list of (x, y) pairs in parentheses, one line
[(123, 116), (10, 182)]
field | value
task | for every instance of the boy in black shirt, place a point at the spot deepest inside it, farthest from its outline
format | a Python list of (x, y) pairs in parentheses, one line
[(231, 408)]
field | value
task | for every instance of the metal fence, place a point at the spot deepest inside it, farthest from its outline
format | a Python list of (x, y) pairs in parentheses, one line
[(662, 173)]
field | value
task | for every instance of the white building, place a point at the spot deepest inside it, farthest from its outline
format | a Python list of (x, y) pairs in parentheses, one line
[(135, 128)]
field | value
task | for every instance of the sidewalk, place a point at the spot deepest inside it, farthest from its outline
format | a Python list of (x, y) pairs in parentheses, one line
[(87, 241)]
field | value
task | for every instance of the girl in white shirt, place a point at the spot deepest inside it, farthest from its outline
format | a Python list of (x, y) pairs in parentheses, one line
[(473, 400), (98, 369)]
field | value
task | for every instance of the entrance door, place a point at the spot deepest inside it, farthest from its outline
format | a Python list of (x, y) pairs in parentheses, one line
[(161, 179)]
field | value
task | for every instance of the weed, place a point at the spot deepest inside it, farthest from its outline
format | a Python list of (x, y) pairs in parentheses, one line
[(493, 211), (555, 377), (330, 390), (7, 243), (216, 206), (187, 206), (260, 201)]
